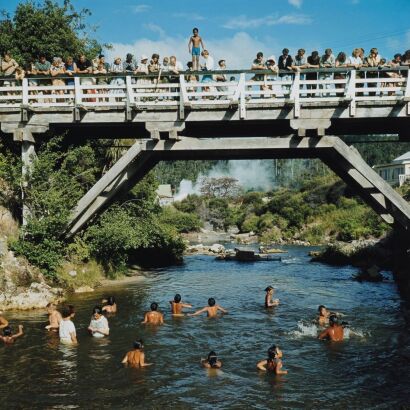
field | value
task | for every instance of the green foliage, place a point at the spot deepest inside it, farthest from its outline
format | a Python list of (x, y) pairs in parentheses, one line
[(220, 215), (181, 221), (192, 203), (48, 27), (250, 223)]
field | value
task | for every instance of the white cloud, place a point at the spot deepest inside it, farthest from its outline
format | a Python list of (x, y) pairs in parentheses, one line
[(140, 8), (189, 16), (155, 29), (296, 3), (243, 22), (238, 50)]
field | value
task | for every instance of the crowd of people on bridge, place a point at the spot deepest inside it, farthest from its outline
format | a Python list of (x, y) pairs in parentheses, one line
[(61, 324), (59, 71)]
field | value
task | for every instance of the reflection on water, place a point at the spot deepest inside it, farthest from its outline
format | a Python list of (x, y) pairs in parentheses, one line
[(374, 359)]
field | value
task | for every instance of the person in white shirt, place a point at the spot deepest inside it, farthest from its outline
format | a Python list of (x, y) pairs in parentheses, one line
[(356, 62), (99, 323), (207, 66), (67, 329)]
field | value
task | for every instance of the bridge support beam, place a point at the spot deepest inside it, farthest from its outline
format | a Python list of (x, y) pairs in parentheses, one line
[(344, 160)]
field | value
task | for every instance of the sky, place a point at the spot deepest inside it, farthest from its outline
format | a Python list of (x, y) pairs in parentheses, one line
[(237, 29)]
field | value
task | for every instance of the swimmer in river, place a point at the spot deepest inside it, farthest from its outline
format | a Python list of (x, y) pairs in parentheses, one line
[(54, 317), (269, 301), (8, 337), (324, 315), (67, 331), (212, 361), (154, 317), (273, 363), (3, 321), (99, 323), (211, 309), (334, 332), (136, 357), (177, 305), (110, 305)]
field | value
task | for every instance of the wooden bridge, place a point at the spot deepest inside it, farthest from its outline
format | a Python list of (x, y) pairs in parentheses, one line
[(252, 115)]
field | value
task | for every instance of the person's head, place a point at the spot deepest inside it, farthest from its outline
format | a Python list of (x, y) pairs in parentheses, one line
[(154, 306), (51, 307), (173, 60), (6, 56), (129, 58), (211, 302), (110, 300), (7, 331), (373, 52), (212, 358), (383, 61), (341, 57), (165, 61), (57, 61), (205, 54), (259, 56), (356, 52), (273, 352), (189, 65), (66, 312), (221, 63), (301, 52), (82, 58), (333, 320), (117, 60), (328, 52), (42, 58), (144, 59), (285, 52), (72, 310), (397, 58), (195, 31), (322, 310), (101, 57), (69, 60), (406, 55), (270, 61), (97, 312), (361, 51), (138, 344), (269, 289), (177, 298), (155, 58)]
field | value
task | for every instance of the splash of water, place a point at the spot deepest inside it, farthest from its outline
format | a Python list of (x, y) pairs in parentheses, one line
[(311, 329)]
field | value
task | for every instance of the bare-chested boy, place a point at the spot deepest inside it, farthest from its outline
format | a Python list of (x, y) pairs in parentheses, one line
[(8, 337), (211, 309), (194, 47), (54, 317), (154, 317), (334, 332), (177, 305), (136, 357)]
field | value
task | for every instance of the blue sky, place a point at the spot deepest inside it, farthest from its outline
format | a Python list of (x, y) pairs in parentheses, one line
[(237, 29)]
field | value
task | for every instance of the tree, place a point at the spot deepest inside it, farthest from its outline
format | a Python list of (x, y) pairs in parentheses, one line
[(46, 28), (224, 187)]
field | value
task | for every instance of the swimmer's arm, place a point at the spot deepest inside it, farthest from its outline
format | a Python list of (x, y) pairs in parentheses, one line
[(161, 320), (222, 309), (186, 305), (189, 44), (279, 370), (20, 333), (261, 365), (73, 337), (205, 363), (145, 318), (3, 322), (198, 312), (142, 361), (104, 332), (324, 334), (125, 360)]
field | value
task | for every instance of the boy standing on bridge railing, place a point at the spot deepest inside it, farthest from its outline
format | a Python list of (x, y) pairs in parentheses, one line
[(194, 47)]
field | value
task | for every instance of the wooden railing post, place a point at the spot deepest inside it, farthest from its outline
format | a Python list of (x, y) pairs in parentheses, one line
[(350, 93), (295, 95), (183, 97), (24, 100), (407, 94), (242, 99), (129, 99), (77, 98)]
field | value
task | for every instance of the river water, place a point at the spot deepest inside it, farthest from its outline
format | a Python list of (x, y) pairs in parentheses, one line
[(371, 369)]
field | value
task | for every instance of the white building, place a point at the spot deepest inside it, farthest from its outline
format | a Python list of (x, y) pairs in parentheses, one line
[(397, 172)]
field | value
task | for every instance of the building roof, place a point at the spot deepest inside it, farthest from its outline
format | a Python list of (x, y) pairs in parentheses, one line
[(164, 191), (403, 158)]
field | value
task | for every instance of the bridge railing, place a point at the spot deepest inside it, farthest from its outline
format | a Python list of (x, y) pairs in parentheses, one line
[(244, 89)]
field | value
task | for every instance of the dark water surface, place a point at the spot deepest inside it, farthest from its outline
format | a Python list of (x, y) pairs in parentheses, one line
[(369, 370)]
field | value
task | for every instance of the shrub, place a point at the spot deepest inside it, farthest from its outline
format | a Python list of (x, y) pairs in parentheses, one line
[(182, 221), (250, 223)]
